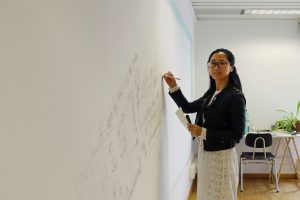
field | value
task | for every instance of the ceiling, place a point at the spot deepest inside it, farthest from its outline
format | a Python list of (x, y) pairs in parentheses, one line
[(234, 9)]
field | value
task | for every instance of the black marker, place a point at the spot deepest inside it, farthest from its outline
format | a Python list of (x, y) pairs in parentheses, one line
[(188, 118)]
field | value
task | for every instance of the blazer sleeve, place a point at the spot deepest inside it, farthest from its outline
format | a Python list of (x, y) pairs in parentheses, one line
[(181, 101), (236, 122)]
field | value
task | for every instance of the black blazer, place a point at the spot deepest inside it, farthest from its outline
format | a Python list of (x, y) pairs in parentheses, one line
[(224, 117)]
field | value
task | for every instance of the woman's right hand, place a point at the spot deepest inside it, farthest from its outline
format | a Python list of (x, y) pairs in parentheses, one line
[(170, 80)]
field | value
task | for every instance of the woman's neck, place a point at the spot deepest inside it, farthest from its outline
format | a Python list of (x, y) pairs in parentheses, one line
[(221, 84)]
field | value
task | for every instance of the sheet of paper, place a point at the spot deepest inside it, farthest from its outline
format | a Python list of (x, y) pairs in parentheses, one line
[(181, 117)]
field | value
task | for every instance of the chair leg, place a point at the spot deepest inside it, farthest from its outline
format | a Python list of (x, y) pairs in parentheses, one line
[(275, 173), (241, 175)]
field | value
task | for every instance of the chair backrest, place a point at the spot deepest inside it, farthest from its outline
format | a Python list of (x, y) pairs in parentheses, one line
[(251, 137)]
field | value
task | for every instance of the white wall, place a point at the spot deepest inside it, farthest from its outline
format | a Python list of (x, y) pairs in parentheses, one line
[(266, 54), (176, 45), (84, 113)]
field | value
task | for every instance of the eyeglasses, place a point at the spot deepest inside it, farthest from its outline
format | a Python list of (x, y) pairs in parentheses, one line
[(221, 64)]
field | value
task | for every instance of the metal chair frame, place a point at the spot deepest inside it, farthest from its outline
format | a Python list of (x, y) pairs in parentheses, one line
[(254, 159)]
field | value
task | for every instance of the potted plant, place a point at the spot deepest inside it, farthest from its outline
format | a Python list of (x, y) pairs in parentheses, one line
[(290, 121)]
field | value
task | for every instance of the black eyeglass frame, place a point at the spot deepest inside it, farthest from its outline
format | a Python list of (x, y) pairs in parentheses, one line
[(220, 64)]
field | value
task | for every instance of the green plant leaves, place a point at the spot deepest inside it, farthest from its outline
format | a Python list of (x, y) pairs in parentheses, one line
[(288, 121)]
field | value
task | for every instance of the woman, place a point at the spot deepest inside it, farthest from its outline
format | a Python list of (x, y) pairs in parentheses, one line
[(219, 125)]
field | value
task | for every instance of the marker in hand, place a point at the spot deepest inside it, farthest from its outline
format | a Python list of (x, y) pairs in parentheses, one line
[(188, 118), (172, 77)]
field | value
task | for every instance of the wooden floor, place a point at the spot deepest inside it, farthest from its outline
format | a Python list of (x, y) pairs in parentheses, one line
[(262, 189)]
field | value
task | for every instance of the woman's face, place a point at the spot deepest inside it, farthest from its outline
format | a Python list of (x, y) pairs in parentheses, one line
[(219, 67)]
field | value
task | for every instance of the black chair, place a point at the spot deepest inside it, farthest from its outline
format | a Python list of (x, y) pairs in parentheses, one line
[(259, 141)]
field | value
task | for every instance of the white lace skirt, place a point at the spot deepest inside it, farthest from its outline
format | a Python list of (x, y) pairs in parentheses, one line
[(217, 174)]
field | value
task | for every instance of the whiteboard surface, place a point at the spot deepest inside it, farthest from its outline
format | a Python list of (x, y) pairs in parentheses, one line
[(82, 99)]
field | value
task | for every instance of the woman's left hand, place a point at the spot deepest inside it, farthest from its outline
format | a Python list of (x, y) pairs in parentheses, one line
[(194, 129)]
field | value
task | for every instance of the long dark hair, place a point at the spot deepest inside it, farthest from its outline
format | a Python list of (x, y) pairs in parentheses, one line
[(234, 78)]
